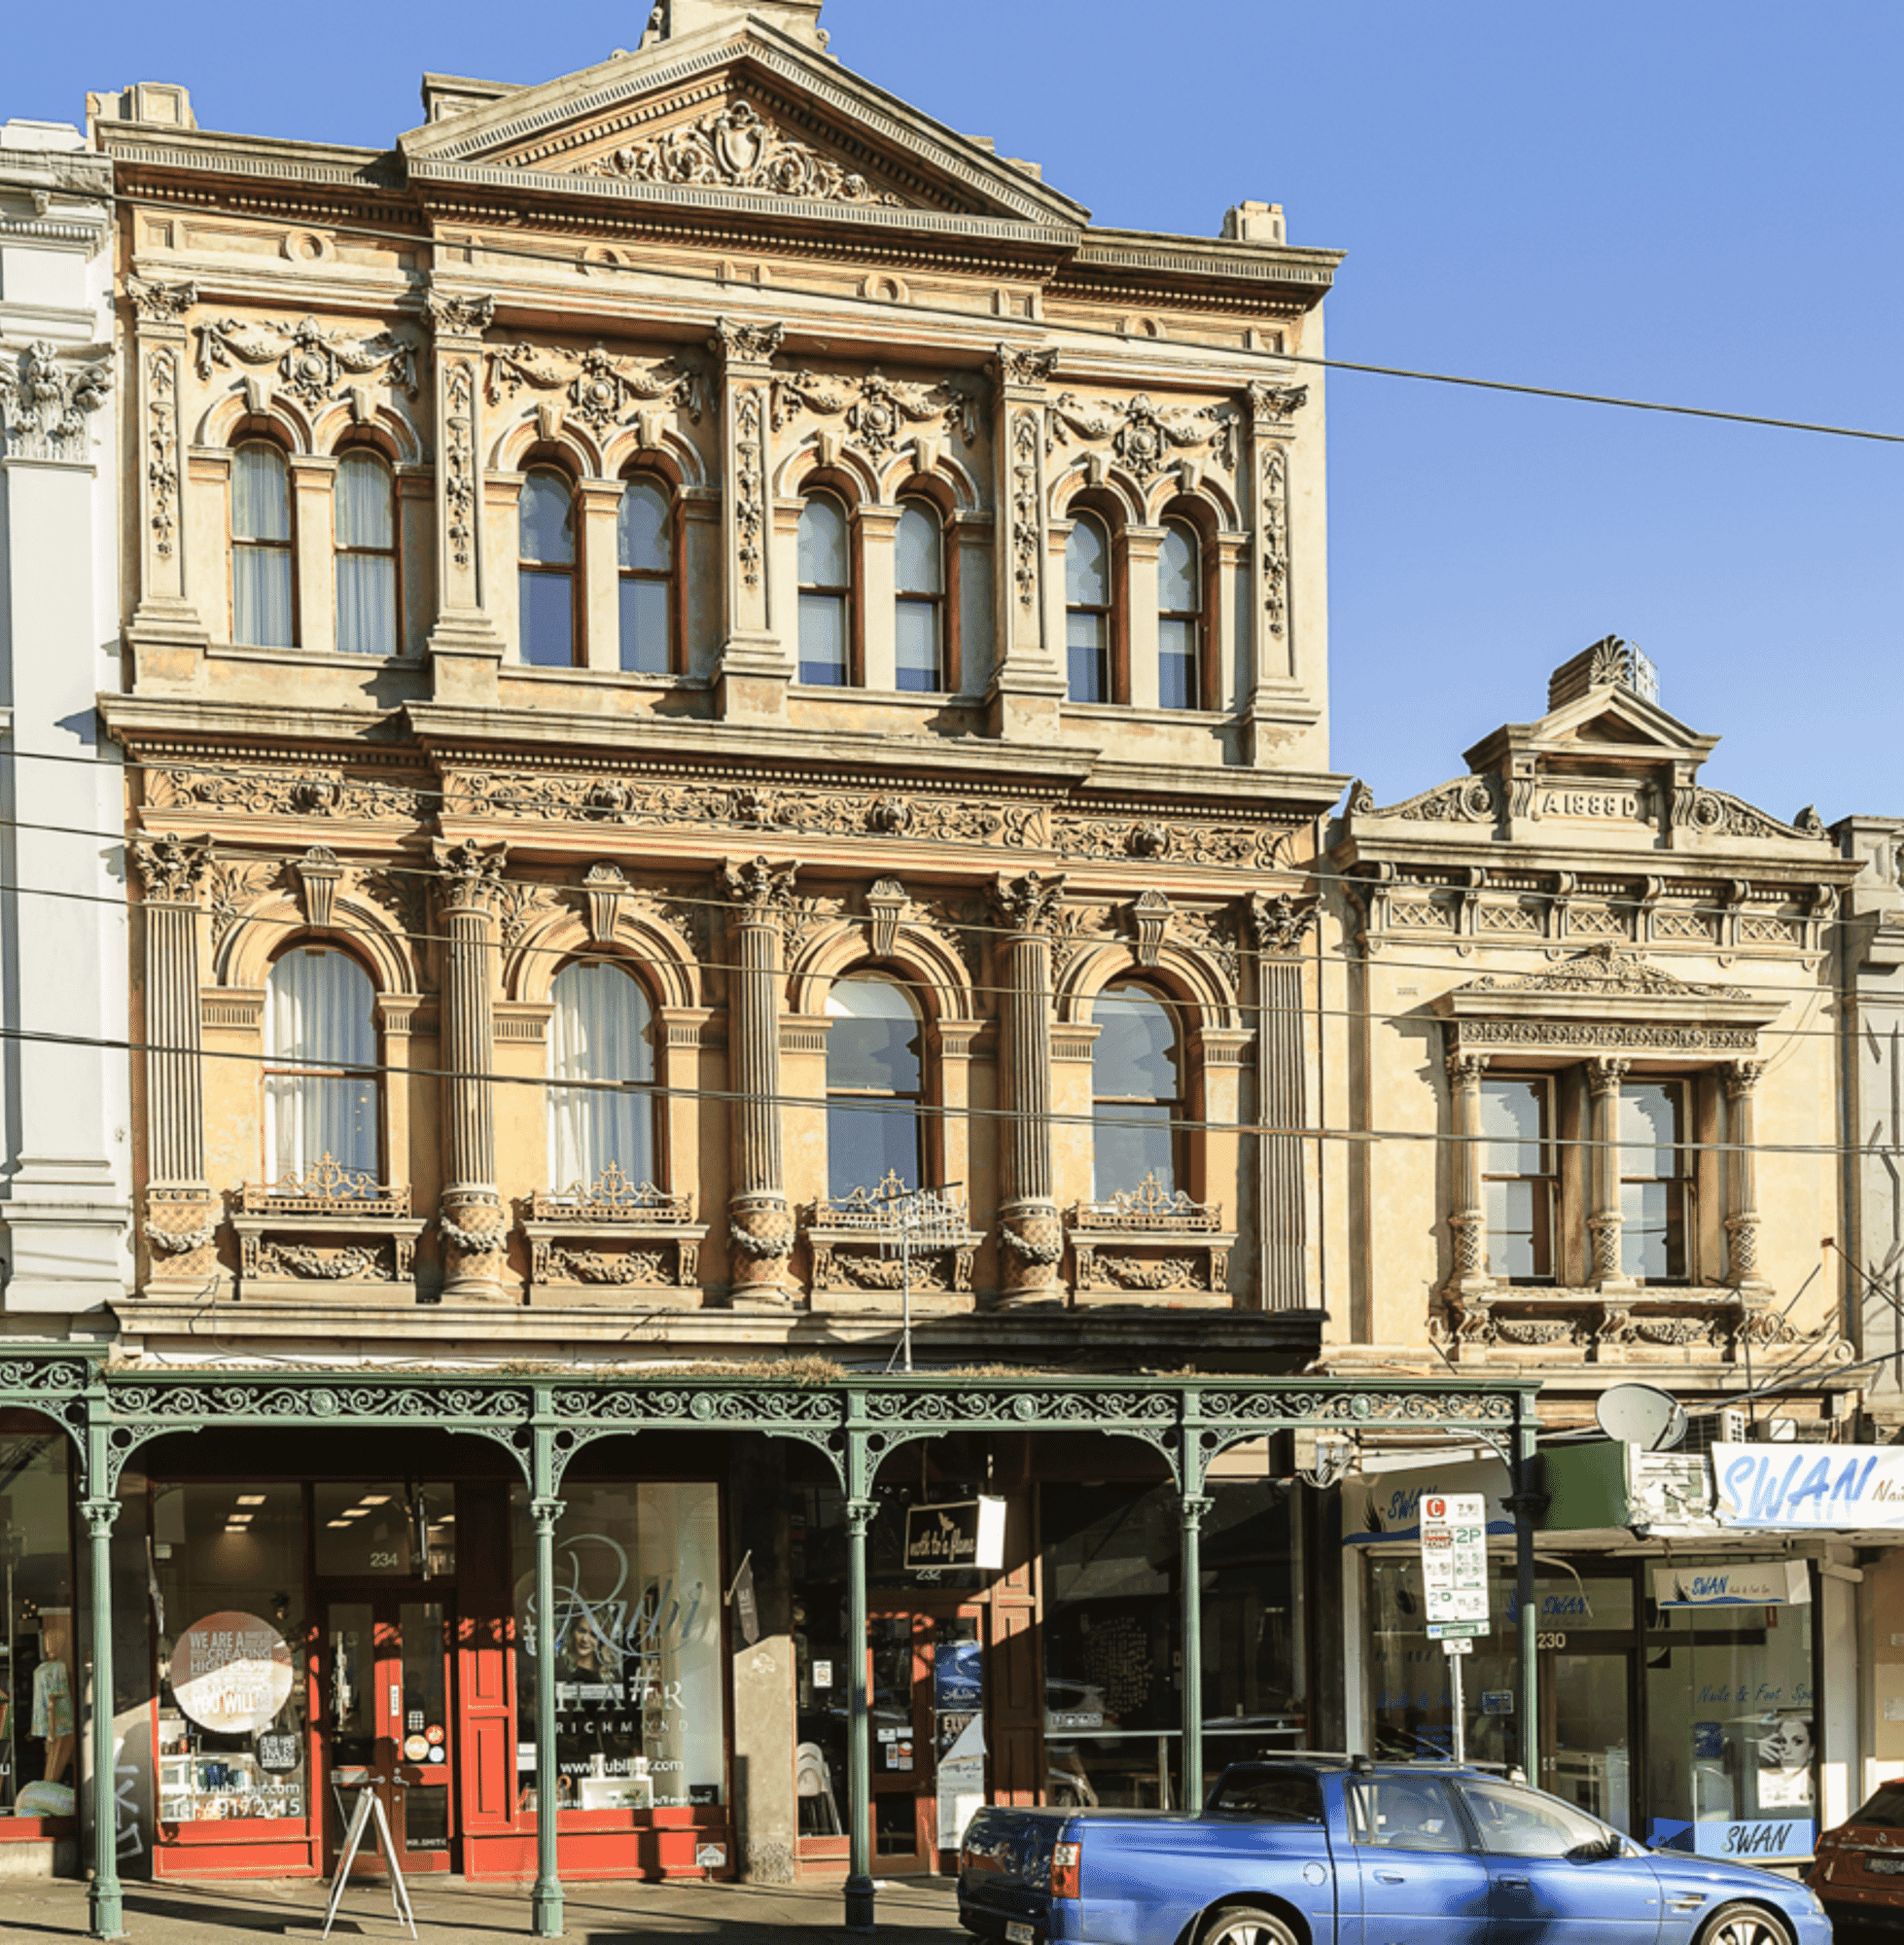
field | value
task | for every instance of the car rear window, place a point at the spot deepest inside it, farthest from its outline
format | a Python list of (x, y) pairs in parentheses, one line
[(1884, 1811), (1288, 1797)]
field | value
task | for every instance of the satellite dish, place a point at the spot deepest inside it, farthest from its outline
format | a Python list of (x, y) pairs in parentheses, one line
[(1641, 1415)]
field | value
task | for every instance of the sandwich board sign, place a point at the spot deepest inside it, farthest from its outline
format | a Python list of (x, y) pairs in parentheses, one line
[(1455, 1565)]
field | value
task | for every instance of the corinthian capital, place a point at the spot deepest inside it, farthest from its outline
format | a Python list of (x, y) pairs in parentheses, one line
[(458, 316), (1016, 365), (1030, 904), (169, 869), (44, 403), (160, 304), (1278, 404), (740, 343), (471, 874), (1281, 924), (756, 889)]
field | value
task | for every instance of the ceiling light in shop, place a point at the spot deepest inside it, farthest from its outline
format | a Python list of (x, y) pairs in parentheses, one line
[(346, 1524), (376, 1499), (251, 1499)]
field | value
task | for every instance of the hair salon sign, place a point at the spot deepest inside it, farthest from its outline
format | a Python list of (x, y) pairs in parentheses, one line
[(1836, 1488)]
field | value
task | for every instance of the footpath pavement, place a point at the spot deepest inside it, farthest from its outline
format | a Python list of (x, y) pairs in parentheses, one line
[(449, 1912)]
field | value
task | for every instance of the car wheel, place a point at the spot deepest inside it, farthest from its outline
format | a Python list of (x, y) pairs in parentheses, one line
[(1250, 1924), (1744, 1924)]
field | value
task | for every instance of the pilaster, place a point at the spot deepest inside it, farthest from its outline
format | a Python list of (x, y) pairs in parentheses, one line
[(1604, 1219), (465, 645), (1270, 620), (755, 667), (1030, 1235), (1469, 1223), (1278, 927), (1028, 686), (1741, 1079), (313, 486)]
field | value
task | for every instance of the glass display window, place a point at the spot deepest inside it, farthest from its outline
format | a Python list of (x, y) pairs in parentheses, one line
[(39, 1683), (386, 1529), (232, 1720), (640, 1684)]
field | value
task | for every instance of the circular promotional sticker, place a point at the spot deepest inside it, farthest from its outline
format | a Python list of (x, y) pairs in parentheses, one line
[(439, 1756), (231, 1674), (434, 1734), (415, 1748)]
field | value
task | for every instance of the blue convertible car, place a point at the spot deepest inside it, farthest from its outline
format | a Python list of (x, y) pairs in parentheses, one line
[(1327, 1851)]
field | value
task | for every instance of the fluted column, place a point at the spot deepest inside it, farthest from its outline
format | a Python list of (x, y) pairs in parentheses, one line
[(1028, 681), (472, 1219), (1031, 1237), (1604, 1223), (1741, 1079), (760, 1224), (1278, 927), (756, 665), (1468, 1222), (181, 1218), (465, 647)]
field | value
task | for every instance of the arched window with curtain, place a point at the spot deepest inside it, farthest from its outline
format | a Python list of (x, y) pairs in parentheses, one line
[(919, 582), (826, 592), (603, 1031), (321, 1088), (545, 548), (263, 614), (1180, 617), (644, 555), (875, 1077), (363, 518), (1137, 1091), (1088, 610)]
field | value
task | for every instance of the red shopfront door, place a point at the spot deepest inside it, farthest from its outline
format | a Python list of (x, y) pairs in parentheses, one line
[(927, 1696), (388, 1706)]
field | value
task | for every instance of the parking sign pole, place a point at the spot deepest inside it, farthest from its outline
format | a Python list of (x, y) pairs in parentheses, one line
[(1525, 1455)]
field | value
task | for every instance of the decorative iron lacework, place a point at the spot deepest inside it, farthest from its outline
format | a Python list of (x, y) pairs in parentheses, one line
[(41, 1377), (748, 1408), (416, 1405), (1146, 1207), (612, 1197), (327, 1181)]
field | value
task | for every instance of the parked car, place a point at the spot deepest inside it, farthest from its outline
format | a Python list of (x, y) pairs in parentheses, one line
[(1344, 1850), (1858, 1868)]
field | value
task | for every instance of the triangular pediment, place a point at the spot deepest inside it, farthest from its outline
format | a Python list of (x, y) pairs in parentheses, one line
[(747, 116), (1608, 724)]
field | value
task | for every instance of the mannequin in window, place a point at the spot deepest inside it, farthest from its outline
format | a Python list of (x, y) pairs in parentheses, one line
[(53, 1691)]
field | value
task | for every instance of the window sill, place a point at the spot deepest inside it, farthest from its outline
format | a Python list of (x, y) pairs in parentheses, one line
[(620, 677), (308, 658), (1128, 712), (922, 698), (1616, 1324)]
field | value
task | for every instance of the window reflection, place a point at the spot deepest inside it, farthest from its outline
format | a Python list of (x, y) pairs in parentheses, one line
[(1135, 1090), (874, 1077)]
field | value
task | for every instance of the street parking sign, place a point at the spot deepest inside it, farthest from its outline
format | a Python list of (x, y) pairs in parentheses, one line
[(1455, 1584)]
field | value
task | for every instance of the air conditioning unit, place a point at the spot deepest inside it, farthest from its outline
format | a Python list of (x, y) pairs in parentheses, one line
[(1707, 1429)]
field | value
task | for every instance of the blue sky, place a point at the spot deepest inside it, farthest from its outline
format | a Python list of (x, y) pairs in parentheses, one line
[(1685, 202)]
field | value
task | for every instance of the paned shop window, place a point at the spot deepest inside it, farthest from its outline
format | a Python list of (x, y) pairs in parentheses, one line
[(320, 1064), (1137, 1091), (364, 513), (1180, 617), (261, 606), (874, 1082), (1517, 1178), (640, 1716), (40, 1679), (826, 592), (1088, 610), (546, 574), (919, 576), (602, 1029), (645, 556), (1655, 1167)]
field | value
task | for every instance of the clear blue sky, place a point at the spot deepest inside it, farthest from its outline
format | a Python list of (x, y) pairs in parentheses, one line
[(1689, 201)]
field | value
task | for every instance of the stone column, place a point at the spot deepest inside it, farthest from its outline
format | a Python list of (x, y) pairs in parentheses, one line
[(166, 635), (181, 1215), (472, 1222), (760, 1222), (1469, 1223), (1603, 1077), (1031, 1237), (1741, 1079), (756, 666), (1269, 627), (1028, 684), (1278, 927), (465, 645)]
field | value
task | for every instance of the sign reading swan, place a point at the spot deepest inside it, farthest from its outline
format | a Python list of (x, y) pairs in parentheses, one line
[(1839, 1488)]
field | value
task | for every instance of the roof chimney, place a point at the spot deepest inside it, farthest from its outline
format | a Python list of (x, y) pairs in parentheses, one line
[(1610, 663)]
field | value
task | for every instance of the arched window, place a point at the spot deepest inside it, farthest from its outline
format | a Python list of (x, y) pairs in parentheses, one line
[(262, 614), (603, 1030), (364, 516), (826, 592), (874, 1075), (1088, 610), (545, 576), (1180, 617), (1137, 1091), (320, 1064), (919, 580), (645, 552)]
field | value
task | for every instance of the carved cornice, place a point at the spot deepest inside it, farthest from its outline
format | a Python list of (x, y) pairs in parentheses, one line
[(44, 403), (312, 363), (736, 147)]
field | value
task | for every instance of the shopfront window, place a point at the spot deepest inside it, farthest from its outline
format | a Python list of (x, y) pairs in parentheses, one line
[(39, 1683), (640, 1706), (1733, 1756), (400, 1528), (233, 1740)]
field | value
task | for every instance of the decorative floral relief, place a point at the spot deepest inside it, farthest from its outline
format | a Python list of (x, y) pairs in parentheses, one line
[(312, 362), (877, 409), (1182, 842), (292, 793), (1014, 366), (737, 148), (162, 448), (160, 304), (601, 392), (169, 869), (235, 884), (1276, 405), (1273, 537), (750, 484), (44, 403), (740, 343), (1144, 437), (459, 451), (456, 316), (1024, 506), (1604, 972), (1717, 814)]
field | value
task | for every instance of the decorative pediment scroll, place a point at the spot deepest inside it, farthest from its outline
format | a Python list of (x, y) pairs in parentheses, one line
[(736, 147), (876, 409), (44, 403), (1144, 437), (601, 391), (312, 363)]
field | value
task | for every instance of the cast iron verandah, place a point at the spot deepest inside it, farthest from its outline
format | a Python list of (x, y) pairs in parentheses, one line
[(544, 1419)]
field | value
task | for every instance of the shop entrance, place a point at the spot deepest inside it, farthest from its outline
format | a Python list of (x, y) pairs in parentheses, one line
[(387, 1708), (928, 1705), (1586, 1709)]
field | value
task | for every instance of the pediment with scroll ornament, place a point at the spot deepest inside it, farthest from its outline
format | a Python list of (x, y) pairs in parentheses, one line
[(745, 116)]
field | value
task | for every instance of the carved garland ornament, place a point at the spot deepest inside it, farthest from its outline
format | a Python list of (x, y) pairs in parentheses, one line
[(1273, 537), (1142, 437), (750, 484), (737, 148), (601, 393), (877, 409), (311, 361), (162, 448), (459, 450), (44, 403), (1024, 506)]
